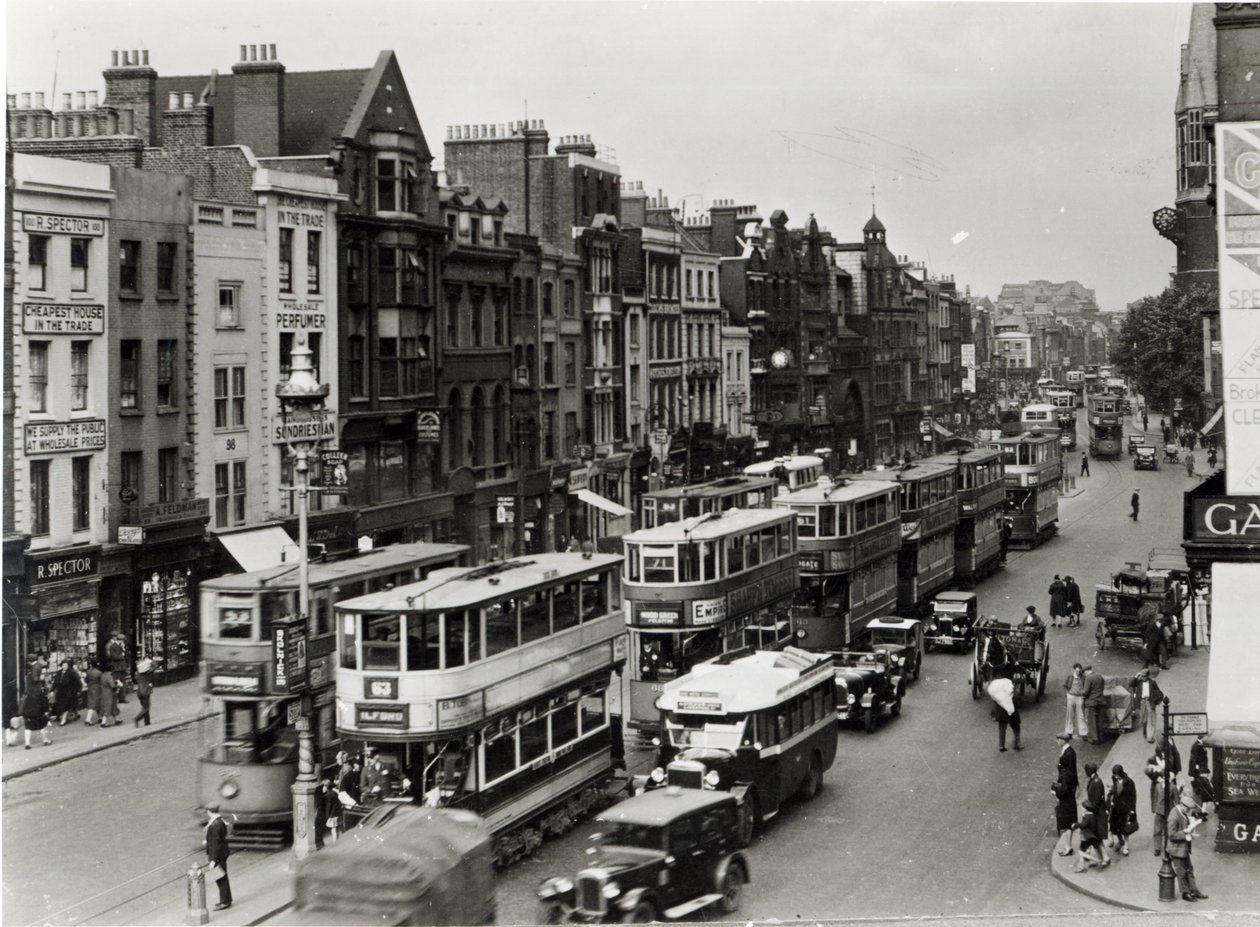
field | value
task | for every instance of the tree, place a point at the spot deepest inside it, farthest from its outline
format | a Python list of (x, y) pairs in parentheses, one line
[(1160, 347)]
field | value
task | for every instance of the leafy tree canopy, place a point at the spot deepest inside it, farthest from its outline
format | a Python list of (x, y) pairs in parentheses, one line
[(1160, 347)]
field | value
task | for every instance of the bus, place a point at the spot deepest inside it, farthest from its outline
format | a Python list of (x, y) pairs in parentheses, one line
[(1033, 470), (793, 472), (489, 688), (760, 724), (700, 587), (981, 499), (248, 759), (848, 534), (729, 492), (929, 513), (1106, 426)]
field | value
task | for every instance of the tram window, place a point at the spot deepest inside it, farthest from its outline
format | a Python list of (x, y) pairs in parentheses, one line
[(322, 614), (591, 712), (807, 522), (614, 581), (564, 603), (734, 555), (278, 606), (500, 627), (807, 710), (380, 642), (348, 622), (533, 739), (535, 615), (423, 646), (500, 756), (594, 597), (768, 541), (632, 562), (236, 623), (347, 591), (455, 629), (826, 521), (752, 549), (658, 565), (784, 533), (564, 725)]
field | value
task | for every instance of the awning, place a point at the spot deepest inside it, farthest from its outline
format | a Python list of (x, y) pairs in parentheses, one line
[(942, 430), (1211, 423), (257, 548), (595, 499)]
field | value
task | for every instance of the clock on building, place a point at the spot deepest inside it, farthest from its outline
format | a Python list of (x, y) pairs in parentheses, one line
[(780, 358)]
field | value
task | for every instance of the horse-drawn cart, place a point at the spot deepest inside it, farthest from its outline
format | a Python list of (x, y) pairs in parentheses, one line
[(1127, 607), (998, 643)]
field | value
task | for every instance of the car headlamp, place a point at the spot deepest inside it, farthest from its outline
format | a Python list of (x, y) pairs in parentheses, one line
[(611, 890), (564, 885), (852, 698), (657, 775), (711, 778), (229, 789)]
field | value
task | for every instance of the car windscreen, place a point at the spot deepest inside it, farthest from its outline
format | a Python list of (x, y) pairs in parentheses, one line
[(687, 730), (622, 834)]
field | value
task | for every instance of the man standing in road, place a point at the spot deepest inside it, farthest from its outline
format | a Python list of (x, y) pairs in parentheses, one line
[(217, 852), (1002, 691), (1183, 821), (1076, 687), (1147, 694), (1064, 788), (144, 689), (1085, 463), (1095, 704), (1135, 502)]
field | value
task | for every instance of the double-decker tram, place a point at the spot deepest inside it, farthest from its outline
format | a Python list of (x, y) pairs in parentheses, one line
[(264, 667), (1076, 384), (1106, 426), (760, 724), (1033, 467), (728, 492), (1009, 423), (793, 472), (928, 495), (700, 587), (981, 499), (848, 533), (489, 688)]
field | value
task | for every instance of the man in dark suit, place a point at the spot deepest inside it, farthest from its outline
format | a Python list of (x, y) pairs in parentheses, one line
[(217, 852), (1095, 704), (1183, 818)]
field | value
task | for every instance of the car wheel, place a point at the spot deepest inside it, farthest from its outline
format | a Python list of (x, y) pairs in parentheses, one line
[(870, 720), (896, 708), (747, 820), (732, 884), (813, 779), (975, 684), (551, 913), (917, 669), (642, 913)]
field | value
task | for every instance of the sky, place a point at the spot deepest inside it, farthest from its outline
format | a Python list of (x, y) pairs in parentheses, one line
[(1004, 142)]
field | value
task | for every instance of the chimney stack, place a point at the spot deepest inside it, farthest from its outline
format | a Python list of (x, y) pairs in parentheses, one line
[(131, 88), (258, 98)]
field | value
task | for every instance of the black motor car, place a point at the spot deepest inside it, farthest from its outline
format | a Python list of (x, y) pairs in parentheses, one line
[(661, 855), (865, 686)]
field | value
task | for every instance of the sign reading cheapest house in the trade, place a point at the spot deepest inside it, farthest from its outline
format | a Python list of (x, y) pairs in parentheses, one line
[(61, 319)]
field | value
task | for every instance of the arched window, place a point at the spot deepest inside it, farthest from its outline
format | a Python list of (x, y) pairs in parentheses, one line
[(499, 449), (454, 448), (531, 359), (477, 441)]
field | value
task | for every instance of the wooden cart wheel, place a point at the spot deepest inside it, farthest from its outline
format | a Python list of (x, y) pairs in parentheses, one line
[(1101, 633)]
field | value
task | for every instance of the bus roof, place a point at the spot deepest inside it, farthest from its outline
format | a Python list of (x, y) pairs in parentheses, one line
[(796, 462), (842, 490), (466, 586), (761, 679), (709, 525), (393, 556), (660, 806)]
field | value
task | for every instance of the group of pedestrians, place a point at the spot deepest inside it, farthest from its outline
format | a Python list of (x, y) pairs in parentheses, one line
[(1086, 704), (1065, 602)]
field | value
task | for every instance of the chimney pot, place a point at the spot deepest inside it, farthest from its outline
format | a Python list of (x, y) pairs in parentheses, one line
[(172, 100), (253, 53), (78, 99), (114, 58), (273, 52), (188, 99), (65, 101), (135, 57), (146, 57), (243, 54), (91, 99), (26, 101)]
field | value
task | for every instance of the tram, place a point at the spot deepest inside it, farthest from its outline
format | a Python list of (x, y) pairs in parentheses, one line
[(260, 663), (848, 534), (928, 494), (1009, 423), (1106, 426), (699, 587), (729, 492), (1064, 402), (1033, 468), (489, 688), (981, 499), (793, 472), (1076, 384)]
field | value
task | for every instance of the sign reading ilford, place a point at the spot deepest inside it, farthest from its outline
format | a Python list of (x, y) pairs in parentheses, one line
[(63, 319), (57, 437), (48, 222)]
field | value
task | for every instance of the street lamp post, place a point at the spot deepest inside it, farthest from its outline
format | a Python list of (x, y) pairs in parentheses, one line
[(303, 395)]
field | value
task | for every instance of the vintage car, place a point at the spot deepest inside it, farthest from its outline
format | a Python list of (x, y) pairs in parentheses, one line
[(1136, 441), (953, 620), (664, 854), (865, 686), (902, 638), (1145, 458)]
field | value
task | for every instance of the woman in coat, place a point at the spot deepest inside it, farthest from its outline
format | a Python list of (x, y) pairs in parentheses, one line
[(1123, 805), (93, 693), (1076, 607), (1058, 600), (67, 688), (109, 698), (34, 711)]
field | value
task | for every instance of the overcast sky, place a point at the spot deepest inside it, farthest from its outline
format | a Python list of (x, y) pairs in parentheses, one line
[(1005, 142)]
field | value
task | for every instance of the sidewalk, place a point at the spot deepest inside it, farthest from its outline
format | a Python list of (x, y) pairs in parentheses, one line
[(172, 706), (1230, 879)]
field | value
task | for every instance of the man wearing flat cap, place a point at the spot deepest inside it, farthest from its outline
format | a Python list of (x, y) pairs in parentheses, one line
[(217, 852)]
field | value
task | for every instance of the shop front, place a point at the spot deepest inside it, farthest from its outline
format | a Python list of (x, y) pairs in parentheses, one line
[(57, 609)]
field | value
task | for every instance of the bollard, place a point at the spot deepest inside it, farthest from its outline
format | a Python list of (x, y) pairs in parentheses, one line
[(197, 913), (1167, 881)]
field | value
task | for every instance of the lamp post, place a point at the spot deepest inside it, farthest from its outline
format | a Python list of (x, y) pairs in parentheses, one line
[(302, 396)]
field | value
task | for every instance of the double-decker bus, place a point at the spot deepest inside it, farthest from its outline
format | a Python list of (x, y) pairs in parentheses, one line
[(700, 587), (1106, 426), (794, 472), (259, 660), (928, 494), (489, 688), (848, 534), (981, 499), (760, 724), (1033, 469), (729, 492)]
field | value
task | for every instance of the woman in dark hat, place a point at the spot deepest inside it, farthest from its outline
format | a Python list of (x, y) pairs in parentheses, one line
[(1064, 788), (1123, 807), (34, 711)]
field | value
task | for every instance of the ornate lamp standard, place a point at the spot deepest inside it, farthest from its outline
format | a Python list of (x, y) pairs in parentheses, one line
[(302, 402)]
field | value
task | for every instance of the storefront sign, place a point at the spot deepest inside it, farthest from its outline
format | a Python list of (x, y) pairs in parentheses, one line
[(319, 672), (59, 566), (579, 479), (130, 534), (300, 212), (457, 712), (1237, 829), (708, 611), (1232, 520), (235, 678), (1240, 775), (657, 614), (429, 427), (301, 317), (288, 656), (60, 319), (673, 371), (51, 223), (392, 716), (336, 472), (160, 513), (322, 427), (60, 437), (380, 687)]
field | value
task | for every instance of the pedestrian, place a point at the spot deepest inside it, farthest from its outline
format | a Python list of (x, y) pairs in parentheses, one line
[(217, 852), (1167, 747), (1155, 767), (1058, 600), (144, 689), (66, 691), (1095, 703), (1096, 802), (1002, 691), (1123, 818), (1147, 698), (93, 682), (1211, 458), (376, 780), (1004, 538), (1190, 463), (1153, 644), (1075, 606), (1075, 686), (1146, 422), (1085, 463), (109, 699), (34, 711), (1088, 842), (1135, 502), (1167, 432), (1183, 823), (116, 653), (1033, 620), (1064, 789)]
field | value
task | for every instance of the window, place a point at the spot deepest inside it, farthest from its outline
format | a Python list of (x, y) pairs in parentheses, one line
[(570, 363), (132, 475), (129, 374), (229, 493), (129, 266), (38, 375), (166, 267), (549, 362), (569, 304), (36, 262), (229, 305), (354, 274), (570, 433), (549, 435), (394, 179), (286, 260), (79, 374), (548, 299), (357, 348), (166, 373), (688, 277), (79, 264), (229, 397), (313, 244), (168, 474), (39, 496), (81, 492)]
